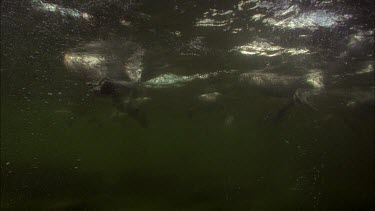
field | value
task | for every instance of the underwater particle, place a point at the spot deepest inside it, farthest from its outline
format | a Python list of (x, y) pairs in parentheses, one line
[(177, 33), (229, 120), (209, 97), (124, 22)]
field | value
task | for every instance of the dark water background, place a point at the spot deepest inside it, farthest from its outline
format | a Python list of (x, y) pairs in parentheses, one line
[(62, 149)]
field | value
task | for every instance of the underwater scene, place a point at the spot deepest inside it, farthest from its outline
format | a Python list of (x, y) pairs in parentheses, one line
[(187, 105)]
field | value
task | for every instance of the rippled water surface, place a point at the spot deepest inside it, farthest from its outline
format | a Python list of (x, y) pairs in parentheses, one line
[(187, 105)]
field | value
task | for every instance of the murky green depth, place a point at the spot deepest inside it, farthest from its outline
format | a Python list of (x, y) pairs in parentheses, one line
[(52, 156)]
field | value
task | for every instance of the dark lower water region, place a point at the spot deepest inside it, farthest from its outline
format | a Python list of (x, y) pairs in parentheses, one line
[(187, 105)]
